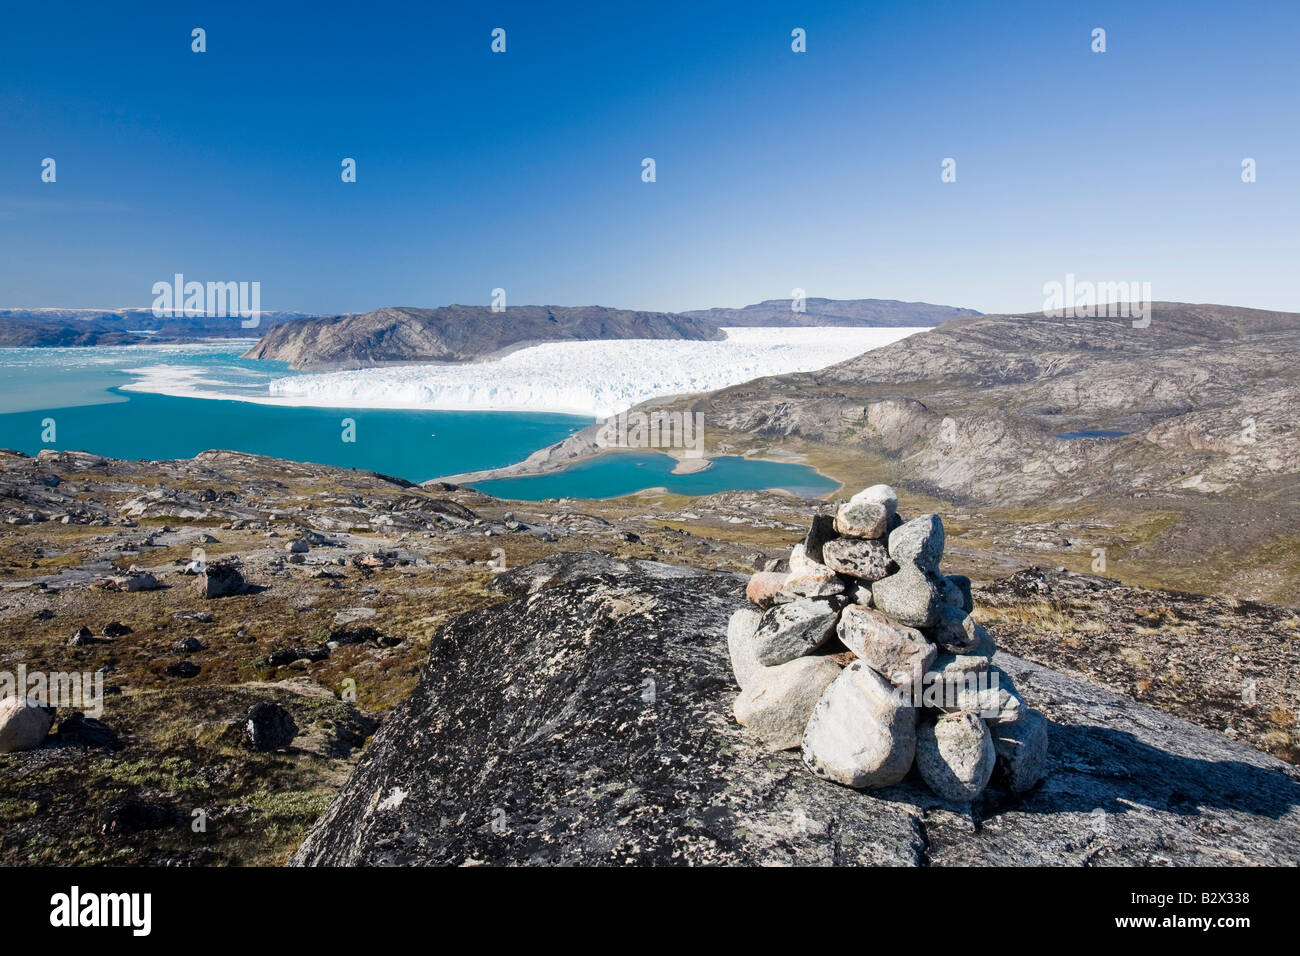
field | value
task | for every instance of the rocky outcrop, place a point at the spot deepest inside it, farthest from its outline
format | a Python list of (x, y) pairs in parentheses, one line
[(459, 333), (1195, 411), (974, 409), (590, 721), (219, 579), (74, 487)]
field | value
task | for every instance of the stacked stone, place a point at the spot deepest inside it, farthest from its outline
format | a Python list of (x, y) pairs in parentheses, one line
[(864, 655)]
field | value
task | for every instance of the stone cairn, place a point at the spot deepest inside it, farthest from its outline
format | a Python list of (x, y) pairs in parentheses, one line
[(864, 655)]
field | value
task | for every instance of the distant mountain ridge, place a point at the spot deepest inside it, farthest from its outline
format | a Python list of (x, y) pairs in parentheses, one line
[(451, 333), (64, 328), (459, 333), (854, 313)]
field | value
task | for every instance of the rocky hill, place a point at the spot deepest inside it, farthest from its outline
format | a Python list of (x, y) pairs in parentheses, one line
[(458, 333), (1146, 442), (980, 405), (858, 313)]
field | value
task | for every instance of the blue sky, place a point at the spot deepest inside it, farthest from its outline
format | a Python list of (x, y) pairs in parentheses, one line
[(775, 170)]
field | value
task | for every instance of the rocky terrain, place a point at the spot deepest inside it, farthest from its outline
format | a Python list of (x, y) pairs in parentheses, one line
[(588, 721), (355, 591), (458, 333), (62, 328), (880, 313), (1075, 434)]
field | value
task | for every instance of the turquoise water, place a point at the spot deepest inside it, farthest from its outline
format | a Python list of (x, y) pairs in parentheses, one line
[(1091, 434), (80, 391), (626, 472), (415, 445), (43, 379)]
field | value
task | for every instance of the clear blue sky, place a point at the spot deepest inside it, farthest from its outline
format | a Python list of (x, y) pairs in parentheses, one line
[(775, 170)]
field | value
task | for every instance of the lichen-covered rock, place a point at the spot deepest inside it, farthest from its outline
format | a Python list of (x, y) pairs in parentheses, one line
[(954, 666), (802, 563), (269, 726), (990, 694), (763, 587), (859, 593), (810, 584), (135, 580), (919, 542), (868, 513), (954, 630), (863, 558), (899, 654), (740, 644), (984, 646), (808, 578), (779, 700), (557, 729), (182, 669), (909, 596), (1021, 751), (83, 731), (792, 630), (955, 756), (861, 733)]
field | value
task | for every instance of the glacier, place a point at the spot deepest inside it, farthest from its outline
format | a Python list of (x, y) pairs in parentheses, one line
[(596, 379)]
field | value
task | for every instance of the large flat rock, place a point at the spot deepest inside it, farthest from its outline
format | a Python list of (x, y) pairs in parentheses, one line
[(590, 722)]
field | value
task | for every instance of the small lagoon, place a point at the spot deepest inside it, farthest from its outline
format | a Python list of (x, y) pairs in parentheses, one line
[(623, 473), (1090, 434)]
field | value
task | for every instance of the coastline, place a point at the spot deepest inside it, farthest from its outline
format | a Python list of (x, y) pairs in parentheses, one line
[(215, 382)]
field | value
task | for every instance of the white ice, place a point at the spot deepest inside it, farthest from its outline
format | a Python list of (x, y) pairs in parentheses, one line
[(597, 379)]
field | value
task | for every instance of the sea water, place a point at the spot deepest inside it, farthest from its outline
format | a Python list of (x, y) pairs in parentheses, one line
[(82, 398)]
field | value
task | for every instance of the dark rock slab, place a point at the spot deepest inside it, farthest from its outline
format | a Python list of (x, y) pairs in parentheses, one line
[(591, 723)]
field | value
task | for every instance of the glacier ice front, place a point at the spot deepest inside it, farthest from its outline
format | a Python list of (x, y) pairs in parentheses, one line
[(587, 378)]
